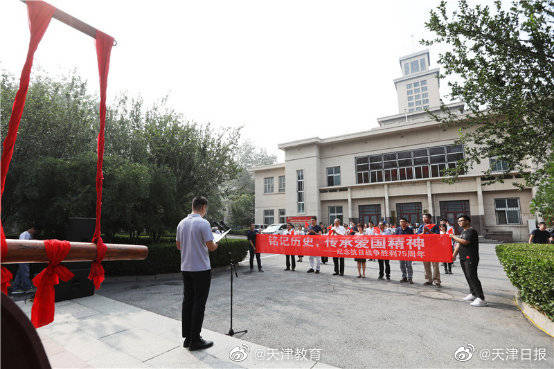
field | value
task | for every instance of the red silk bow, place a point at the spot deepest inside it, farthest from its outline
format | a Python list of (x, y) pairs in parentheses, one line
[(42, 312), (6, 278)]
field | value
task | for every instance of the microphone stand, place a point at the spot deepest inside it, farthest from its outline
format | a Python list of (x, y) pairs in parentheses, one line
[(232, 270)]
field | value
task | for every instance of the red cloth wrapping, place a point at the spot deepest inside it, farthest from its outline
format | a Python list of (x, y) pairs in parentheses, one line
[(42, 312), (40, 14), (6, 274), (104, 45), (96, 274), (6, 279)]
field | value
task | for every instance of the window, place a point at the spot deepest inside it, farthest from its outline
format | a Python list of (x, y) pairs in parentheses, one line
[(499, 165), (414, 65), (281, 183), (422, 64), (362, 170), (269, 217), (268, 185), (406, 68), (334, 213), (415, 97), (333, 176), (507, 211), (407, 165), (282, 217), (300, 190)]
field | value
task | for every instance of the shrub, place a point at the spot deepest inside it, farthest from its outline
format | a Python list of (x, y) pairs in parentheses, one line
[(530, 268), (165, 258)]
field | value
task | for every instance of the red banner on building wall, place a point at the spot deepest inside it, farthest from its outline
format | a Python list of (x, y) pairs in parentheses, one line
[(421, 247), (299, 220)]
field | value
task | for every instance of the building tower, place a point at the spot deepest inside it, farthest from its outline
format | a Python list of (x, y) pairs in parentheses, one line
[(418, 88)]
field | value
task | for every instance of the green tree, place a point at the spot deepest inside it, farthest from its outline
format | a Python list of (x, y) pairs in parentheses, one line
[(241, 210), (240, 191), (543, 202), (155, 162), (503, 64), (53, 190)]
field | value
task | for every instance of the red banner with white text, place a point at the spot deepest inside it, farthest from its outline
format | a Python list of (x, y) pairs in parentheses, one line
[(420, 247)]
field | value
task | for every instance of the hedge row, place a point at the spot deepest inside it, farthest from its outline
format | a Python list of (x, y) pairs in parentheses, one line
[(530, 268), (165, 258)]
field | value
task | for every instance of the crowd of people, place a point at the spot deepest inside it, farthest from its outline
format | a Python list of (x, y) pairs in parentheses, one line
[(432, 273), (464, 242)]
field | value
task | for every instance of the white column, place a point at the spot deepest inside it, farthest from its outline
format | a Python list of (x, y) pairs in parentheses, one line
[(349, 203), (387, 205), (430, 199), (480, 203)]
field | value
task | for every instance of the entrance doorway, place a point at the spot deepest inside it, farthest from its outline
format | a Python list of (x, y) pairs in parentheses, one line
[(451, 210), (370, 212), (409, 210)]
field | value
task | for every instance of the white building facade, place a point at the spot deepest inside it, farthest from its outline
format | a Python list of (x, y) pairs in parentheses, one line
[(391, 171)]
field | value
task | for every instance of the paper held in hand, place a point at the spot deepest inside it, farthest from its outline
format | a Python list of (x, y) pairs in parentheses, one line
[(219, 236)]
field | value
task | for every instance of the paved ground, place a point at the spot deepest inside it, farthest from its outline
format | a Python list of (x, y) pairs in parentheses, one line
[(362, 322), (98, 332)]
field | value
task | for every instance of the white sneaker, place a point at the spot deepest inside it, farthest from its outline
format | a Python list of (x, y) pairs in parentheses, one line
[(469, 297), (478, 302)]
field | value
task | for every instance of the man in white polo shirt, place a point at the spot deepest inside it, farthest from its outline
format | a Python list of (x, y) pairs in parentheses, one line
[(195, 240)]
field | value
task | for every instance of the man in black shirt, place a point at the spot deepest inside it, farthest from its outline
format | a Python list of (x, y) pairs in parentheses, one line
[(468, 247), (540, 235), (324, 259), (290, 258), (251, 235)]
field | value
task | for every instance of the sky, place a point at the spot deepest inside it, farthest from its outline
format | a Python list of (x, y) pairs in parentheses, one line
[(283, 70)]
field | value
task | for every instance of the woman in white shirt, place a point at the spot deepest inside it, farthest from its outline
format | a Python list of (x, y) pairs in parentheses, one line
[(361, 262)]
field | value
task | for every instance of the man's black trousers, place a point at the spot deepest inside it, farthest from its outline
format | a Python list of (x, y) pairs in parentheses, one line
[(258, 260), (288, 261), (386, 268), (196, 287), (339, 265), (469, 266)]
